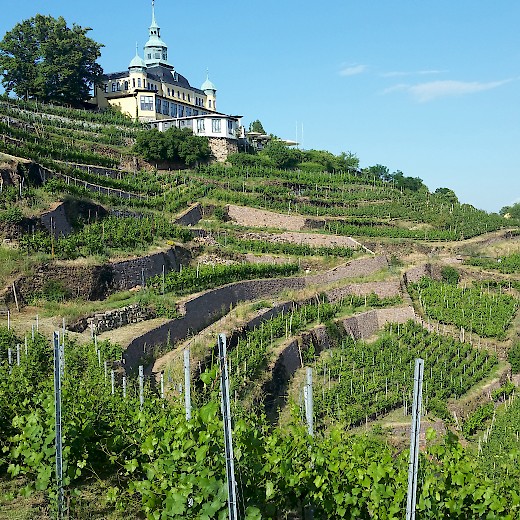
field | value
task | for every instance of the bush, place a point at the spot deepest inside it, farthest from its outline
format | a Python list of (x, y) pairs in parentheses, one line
[(503, 392), (12, 215), (476, 420), (247, 160), (513, 356), (450, 275)]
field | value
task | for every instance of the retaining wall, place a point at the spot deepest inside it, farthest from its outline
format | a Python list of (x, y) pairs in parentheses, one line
[(202, 310)]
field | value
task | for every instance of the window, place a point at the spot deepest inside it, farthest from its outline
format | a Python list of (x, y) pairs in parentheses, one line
[(173, 109), (181, 111), (133, 82), (144, 84), (183, 95), (165, 107), (188, 112), (158, 105), (189, 98), (168, 92), (195, 112), (113, 87), (126, 85), (164, 55), (106, 87), (146, 102), (230, 126), (209, 103), (149, 56), (200, 125), (118, 86), (215, 126)]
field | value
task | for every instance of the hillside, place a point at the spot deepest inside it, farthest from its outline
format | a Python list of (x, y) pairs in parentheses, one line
[(338, 271)]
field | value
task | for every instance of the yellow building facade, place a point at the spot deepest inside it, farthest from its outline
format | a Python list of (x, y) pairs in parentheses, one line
[(151, 89)]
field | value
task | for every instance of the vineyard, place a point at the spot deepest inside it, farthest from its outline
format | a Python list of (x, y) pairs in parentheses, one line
[(213, 249), (486, 314)]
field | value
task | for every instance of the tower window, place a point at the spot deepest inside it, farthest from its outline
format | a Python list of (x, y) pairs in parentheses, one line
[(138, 82), (126, 85)]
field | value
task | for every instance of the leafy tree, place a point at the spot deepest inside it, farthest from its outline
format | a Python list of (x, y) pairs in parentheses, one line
[(282, 156), (175, 145), (447, 194), (513, 211), (43, 58), (256, 126), (379, 171)]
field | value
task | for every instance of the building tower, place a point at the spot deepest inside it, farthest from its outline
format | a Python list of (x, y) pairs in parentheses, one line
[(155, 50), (211, 93)]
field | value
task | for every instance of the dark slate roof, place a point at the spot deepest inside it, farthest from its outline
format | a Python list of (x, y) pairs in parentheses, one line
[(160, 73), (116, 75)]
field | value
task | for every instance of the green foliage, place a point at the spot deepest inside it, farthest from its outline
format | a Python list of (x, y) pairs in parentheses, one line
[(195, 279), (256, 126), (488, 315), (370, 378), (105, 236), (243, 160), (55, 291), (43, 58), (513, 356), (503, 392), (286, 248), (509, 264), (477, 419), (12, 215), (281, 156), (450, 275), (175, 145)]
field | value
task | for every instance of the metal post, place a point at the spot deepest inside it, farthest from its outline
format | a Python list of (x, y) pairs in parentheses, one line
[(414, 439), (228, 439), (18, 354), (8, 320), (187, 383), (162, 385), (112, 381), (309, 405), (124, 387), (9, 358), (57, 404), (141, 387)]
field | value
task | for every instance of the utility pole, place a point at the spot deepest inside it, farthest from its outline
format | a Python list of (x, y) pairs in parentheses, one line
[(228, 439), (414, 439)]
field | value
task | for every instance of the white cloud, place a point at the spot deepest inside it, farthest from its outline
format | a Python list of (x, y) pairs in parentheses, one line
[(352, 70), (431, 90), (394, 74)]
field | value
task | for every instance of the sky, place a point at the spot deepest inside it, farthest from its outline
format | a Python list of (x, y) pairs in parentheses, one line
[(430, 88)]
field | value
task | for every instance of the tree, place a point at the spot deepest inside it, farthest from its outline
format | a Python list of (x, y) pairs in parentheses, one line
[(256, 126), (174, 145), (43, 58), (281, 156)]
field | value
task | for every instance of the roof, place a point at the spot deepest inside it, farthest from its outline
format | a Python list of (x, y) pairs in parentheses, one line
[(208, 85), (137, 61), (166, 75)]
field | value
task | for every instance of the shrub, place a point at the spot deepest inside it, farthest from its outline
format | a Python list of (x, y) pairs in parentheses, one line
[(450, 275), (12, 215), (513, 356), (476, 420)]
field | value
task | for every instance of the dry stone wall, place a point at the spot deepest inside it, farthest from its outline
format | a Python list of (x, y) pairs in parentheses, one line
[(202, 310), (113, 319)]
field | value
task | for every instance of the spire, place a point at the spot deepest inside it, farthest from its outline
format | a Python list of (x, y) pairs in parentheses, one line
[(154, 23)]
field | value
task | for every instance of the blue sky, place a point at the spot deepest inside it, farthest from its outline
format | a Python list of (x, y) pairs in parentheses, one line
[(429, 88)]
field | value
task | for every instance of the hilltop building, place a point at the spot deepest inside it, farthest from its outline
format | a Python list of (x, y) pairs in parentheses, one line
[(151, 90)]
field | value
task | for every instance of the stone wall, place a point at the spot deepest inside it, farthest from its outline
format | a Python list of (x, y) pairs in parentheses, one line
[(202, 310), (221, 147), (415, 274), (96, 282), (191, 216), (113, 319)]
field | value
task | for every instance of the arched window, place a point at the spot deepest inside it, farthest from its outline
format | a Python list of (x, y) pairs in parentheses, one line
[(126, 85)]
